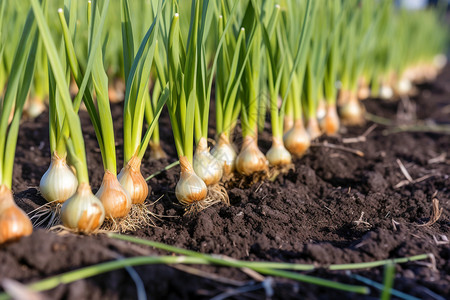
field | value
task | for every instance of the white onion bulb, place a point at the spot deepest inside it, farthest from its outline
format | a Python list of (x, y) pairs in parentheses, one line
[(321, 109), (58, 183), (386, 92), (35, 107), (190, 188), (250, 160), (225, 153), (278, 154), (404, 86), (115, 199), (206, 166), (83, 211)]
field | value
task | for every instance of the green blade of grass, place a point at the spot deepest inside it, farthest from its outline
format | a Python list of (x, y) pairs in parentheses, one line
[(388, 281), (260, 267)]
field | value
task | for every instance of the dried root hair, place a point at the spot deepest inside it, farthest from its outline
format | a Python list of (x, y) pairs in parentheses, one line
[(275, 171), (47, 215), (216, 194)]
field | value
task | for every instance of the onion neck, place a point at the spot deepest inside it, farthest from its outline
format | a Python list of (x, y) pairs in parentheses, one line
[(6, 197), (202, 145), (134, 164), (156, 151), (186, 166)]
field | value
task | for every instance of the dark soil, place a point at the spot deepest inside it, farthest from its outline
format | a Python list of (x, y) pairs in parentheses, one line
[(309, 215)]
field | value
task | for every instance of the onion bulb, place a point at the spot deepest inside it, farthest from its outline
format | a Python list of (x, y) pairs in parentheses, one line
[(133, 182), (250, 160), (403, 86), (206, 166), (190, 188), (352, 112), (278, 154), (330, 124), (224, 152), (386, 92), (363, 89), (321, 109), (35, 107), (313, 128), (58, 183), (115, 199), (297, 140), (83, 211), (14, 223), (156, 152)]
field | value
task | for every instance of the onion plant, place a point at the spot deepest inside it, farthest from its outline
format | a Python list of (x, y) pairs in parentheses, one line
[(277, 155), (250, 159), (190, 81), (137, 69), (296, 47), (185, 82), (330, 122), (83, 211), (59, 183), (230, 68), (315, 69), (14, 223), (115, 199)]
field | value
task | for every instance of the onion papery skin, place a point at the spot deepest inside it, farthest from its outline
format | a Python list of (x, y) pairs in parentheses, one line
[(58, 183), (115, 199), (330, 124), (224, 152), (352, 113), (313, 128), (278, 155), (83, 211), (250, 160), (190, 188), (206, 166), (14, 223), (297, 140), (133, 182)]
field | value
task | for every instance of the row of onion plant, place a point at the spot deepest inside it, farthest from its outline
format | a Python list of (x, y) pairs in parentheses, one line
[(307, 54)]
